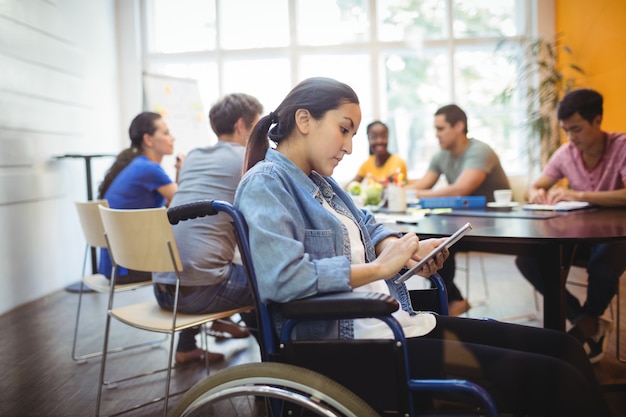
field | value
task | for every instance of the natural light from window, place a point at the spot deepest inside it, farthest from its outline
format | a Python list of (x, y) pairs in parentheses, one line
[(404, 58)]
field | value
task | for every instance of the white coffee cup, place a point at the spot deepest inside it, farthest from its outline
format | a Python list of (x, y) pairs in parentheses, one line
[(396, 198), (503, 196)]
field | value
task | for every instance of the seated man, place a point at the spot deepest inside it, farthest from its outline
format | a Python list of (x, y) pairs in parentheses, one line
[(211, 281), (471, 167), (594, 164)]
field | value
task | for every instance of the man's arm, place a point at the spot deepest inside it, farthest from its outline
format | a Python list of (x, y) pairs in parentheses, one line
[(466, 184), (538, 192), (426, 182), (613, 198)]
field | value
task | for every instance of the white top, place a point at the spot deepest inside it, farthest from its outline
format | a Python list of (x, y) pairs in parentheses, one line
[(413, 326)]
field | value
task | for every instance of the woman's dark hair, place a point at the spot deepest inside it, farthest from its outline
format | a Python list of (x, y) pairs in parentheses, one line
[(225, 113), (586, 102), (453, 114), (142, 123), (369, 127), (374, 123), (317, 95)]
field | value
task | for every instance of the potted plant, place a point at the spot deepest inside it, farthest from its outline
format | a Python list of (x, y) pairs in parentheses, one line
[(541, 82)]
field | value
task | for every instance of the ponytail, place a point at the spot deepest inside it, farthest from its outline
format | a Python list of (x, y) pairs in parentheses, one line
[(258, 143), (122, 161)]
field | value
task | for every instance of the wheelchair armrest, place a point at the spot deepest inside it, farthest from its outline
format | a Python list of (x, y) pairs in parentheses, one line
[(344, 305)]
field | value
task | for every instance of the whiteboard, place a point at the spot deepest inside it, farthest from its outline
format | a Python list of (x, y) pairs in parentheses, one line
[(178, 101)]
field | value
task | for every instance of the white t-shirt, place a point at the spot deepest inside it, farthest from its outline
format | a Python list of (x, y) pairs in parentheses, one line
[(413, 326)]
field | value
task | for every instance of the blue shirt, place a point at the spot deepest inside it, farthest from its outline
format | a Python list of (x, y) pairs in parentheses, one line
[(299, 248), (135, 187)]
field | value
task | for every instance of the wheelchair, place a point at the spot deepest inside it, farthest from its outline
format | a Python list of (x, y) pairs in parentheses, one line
[(323, 377)]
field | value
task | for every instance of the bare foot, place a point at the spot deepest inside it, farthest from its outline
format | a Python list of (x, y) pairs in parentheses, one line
[(458, 307), (197, 355), (231, 329)]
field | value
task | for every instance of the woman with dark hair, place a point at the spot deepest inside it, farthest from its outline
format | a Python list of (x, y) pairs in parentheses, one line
[(381, 164), (308, 237), (136, 179)]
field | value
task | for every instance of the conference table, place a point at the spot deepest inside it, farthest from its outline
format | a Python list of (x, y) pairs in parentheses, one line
[(551, 237)]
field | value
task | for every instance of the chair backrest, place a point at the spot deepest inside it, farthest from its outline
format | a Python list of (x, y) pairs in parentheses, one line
[(91, 223), (141, 239)]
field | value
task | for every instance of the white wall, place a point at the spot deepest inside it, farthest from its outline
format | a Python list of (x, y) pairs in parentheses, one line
[(58, 94)]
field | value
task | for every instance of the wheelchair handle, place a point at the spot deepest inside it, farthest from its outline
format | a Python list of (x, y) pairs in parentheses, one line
[(190, 211)]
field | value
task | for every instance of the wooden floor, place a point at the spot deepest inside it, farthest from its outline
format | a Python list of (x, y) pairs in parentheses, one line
[(39, 377)]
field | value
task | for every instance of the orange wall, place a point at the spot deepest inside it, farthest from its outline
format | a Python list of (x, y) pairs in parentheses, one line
[(596, 33)]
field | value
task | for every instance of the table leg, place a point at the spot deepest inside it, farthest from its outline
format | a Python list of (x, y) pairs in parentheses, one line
[(555, 261), (94, 264), (76, 287)]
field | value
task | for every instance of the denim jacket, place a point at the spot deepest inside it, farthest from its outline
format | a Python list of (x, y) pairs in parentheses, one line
[(299, 249)]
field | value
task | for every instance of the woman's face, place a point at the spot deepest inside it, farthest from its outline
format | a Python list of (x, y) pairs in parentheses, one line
[(378, 138), (161, 141), (331, 137)]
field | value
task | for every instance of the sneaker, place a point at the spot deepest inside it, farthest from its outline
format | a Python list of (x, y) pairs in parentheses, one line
[(597, 343)]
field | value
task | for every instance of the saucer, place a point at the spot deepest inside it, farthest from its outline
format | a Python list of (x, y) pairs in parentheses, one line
[(503, 205)]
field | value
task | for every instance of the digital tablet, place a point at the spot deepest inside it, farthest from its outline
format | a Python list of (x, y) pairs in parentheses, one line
[(451, 240)]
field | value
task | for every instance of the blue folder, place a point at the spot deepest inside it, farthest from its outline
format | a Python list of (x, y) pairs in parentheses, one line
[(454, 202)]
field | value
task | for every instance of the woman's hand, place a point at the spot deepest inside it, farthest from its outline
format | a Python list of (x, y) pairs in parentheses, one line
[(433, 265), (180, 158), (394, 253)]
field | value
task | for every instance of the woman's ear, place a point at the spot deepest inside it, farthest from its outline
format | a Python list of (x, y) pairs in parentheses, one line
[(303, 120), (147, 140)]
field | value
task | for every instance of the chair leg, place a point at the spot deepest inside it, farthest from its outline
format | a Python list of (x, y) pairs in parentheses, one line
[(483, 272), (103, 363), (169, 374), (467, 277), (618, 352), (79, 359), (483, 277)]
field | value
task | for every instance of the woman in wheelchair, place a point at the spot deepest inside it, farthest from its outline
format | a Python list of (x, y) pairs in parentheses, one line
[(309, 238)]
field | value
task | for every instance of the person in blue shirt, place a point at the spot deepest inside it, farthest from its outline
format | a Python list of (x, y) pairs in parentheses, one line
[(308, 237), (136, 179)]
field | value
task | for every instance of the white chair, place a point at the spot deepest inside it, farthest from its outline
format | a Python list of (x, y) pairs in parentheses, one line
[(89, 216), (143, 240)]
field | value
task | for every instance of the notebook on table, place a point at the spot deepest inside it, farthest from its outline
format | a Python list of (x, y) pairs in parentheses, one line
[(560, 206)]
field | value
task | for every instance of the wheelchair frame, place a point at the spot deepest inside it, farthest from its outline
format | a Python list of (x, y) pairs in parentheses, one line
[(297, 385)]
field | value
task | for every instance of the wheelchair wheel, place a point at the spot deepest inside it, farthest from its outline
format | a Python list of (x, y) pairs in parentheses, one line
[(269, 390)]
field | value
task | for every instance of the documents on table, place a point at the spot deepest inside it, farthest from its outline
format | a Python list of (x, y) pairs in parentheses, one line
[(403, 218), (560, 206)]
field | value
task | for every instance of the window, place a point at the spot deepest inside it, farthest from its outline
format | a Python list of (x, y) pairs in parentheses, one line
[(404, 58)]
